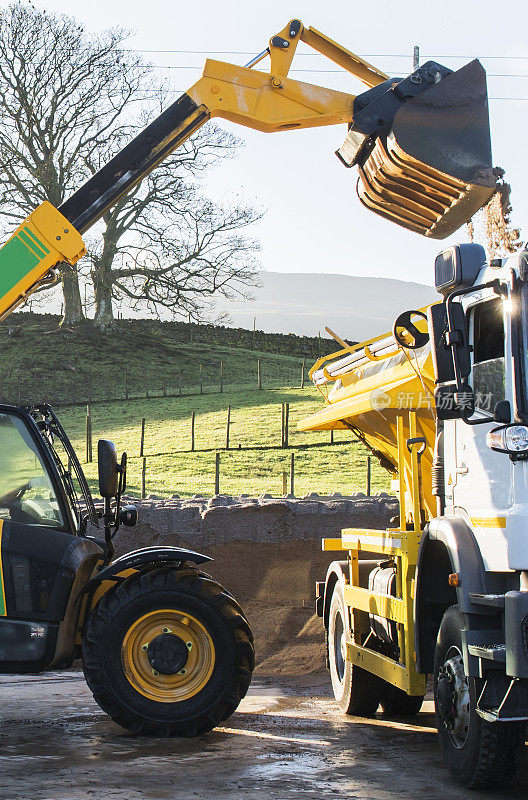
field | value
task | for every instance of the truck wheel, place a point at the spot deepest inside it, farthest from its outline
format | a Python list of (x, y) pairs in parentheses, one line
[(393, 701), (396, 703), (168, 652), (356, 691), (478, 754)]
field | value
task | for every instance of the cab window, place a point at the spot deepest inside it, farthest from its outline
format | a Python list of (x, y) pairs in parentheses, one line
[(26, 491), (488, 354)]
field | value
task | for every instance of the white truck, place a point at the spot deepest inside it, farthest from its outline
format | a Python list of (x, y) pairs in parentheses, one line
[(443, 402)]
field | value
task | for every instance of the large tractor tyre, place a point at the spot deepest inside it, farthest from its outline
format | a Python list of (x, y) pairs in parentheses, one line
[(168, 652), (356, 691), (478, 754)]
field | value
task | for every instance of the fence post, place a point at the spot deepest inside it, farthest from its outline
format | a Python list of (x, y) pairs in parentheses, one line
[(142, 440), (302, 373), (332, 436), (143, 478), (221, 376), (282, 425), (126, 384), (88, 435), (228, 426), (284, 483), (217, 473), (292, 475), (201, 379), (259, 374), (192, 430), (285, 423), (368, 476)]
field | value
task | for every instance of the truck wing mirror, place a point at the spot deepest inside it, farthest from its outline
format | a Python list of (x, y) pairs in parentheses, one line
[(109, 471), (444, 339), (453, 395)]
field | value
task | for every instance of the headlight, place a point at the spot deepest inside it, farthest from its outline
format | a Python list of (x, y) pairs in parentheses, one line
[(516, 438), (510, 439)]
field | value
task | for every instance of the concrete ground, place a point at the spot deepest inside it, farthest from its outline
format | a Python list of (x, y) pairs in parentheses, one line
[(285, 742)]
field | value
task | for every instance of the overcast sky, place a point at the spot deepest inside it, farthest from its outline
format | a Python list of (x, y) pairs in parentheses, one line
[(314, 222)]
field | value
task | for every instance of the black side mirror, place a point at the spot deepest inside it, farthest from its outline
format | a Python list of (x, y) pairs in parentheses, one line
[(128, 516), (452, 404), (108, 468), (443, 341), (502, 412)]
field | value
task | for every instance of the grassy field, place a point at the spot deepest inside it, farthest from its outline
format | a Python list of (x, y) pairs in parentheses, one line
[(40, 362), (255, 461), (66, 367)]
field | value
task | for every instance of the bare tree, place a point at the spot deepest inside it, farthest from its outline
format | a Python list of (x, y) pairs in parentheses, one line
[(165, 246), (62, 94), (68, 101)]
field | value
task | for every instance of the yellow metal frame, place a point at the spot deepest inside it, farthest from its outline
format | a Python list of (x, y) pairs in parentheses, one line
[(270, 101), (400, 544), (48, 239)]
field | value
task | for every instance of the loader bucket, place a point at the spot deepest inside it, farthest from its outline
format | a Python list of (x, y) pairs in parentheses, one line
[(432, 171)]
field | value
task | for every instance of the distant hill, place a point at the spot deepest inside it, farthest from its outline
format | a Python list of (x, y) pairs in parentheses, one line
[(303, 303)]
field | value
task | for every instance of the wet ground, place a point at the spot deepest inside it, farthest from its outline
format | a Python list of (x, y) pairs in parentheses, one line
[(285, 742)]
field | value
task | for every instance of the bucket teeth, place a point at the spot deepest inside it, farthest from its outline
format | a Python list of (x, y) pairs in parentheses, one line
[(414, 195)]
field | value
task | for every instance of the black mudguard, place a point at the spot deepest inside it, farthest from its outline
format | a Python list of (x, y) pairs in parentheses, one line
[(138, 559)]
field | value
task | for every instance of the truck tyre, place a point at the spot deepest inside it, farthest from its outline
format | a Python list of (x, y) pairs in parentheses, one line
[(397, 703), (478, 754), (168, 652), (394, 702), (356, 691)]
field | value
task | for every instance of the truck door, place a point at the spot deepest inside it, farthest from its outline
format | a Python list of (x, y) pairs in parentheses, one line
[(483, 481)]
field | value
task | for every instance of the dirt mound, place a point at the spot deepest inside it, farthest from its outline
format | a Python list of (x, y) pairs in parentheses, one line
[(268, 554)]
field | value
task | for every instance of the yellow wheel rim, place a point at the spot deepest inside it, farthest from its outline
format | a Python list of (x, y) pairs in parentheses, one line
[(168, 688)]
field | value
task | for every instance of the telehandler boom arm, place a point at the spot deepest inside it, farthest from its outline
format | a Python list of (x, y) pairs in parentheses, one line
[(421, 144)]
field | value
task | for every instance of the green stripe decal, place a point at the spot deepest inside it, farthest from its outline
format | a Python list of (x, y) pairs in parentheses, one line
[(16, 261), (32, 238), (31, 244)]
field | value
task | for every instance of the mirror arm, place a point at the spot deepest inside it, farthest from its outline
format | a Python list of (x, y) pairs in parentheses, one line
[(108, 522), (120, 489)]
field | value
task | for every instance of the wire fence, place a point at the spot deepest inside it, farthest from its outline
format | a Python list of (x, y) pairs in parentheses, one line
[(241, 450), (74, 386)]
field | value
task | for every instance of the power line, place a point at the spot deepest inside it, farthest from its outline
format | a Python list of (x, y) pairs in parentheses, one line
[(334, 71), (315, 53), (182, 91)]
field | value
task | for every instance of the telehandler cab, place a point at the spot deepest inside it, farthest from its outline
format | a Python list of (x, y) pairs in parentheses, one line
[(165, 649)]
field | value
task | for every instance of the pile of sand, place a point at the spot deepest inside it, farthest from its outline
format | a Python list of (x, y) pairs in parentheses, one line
[(267, 553)]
